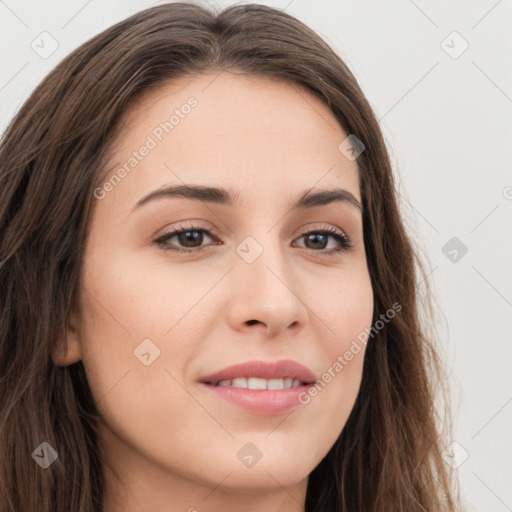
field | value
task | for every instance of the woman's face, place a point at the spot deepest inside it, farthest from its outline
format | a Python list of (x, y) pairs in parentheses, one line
[(247, 287)]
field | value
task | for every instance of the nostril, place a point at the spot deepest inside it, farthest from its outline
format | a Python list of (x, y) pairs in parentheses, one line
[(252, 322)]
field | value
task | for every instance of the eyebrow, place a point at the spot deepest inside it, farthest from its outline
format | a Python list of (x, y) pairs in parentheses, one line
[(309, 198)]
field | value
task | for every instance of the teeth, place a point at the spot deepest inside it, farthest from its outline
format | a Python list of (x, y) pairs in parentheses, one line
[(240, 382), (257, 383), (275, 384)]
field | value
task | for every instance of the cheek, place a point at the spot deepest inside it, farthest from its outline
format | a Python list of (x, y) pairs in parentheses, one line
[(117, 315), (348, 306), (135, 312), (144, 295), (348, 312)]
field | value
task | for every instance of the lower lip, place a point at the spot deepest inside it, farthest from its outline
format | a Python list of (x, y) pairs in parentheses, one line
[(263, 401)]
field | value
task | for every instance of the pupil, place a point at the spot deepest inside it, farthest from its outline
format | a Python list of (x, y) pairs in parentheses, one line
[(315, 238), (190, 236)]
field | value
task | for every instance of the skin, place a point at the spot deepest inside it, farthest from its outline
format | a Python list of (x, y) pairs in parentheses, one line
[(172, 443)]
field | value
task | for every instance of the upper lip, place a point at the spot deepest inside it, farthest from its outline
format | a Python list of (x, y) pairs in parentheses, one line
[(263, 370)]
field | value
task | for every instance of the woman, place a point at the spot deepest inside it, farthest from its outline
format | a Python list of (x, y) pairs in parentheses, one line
[(209, 298)]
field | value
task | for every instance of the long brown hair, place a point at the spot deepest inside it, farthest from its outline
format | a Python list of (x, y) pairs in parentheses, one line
[(52, 155)]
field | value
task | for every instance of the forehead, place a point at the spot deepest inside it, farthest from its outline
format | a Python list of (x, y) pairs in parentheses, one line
[(237, 132)]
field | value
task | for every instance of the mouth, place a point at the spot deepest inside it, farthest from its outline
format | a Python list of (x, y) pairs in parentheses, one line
[(282, 374), (259, 383), (261, 387)]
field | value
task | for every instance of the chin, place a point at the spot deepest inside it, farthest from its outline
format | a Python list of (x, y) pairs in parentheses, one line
[(266, 478)]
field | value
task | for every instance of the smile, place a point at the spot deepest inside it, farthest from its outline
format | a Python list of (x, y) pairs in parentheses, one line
[(258, 383)]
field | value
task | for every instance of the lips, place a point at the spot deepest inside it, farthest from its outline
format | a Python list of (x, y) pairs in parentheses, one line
[(283, 369), (260, 387)]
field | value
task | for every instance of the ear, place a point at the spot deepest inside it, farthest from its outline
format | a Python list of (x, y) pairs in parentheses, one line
[(68, 351)]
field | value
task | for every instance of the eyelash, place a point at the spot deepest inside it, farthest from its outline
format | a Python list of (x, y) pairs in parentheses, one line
[(342, 238)]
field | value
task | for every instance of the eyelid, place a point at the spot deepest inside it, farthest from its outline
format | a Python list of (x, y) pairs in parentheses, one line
[(319, 226), (182, 226)]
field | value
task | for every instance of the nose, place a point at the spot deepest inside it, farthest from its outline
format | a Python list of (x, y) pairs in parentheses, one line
[(266, 295)]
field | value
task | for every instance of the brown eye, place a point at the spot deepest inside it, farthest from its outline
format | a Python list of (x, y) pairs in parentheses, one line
[(186, 239), (190, 238), (318, 240)]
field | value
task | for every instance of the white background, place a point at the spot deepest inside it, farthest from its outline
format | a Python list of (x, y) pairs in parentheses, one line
[(449, 128)]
